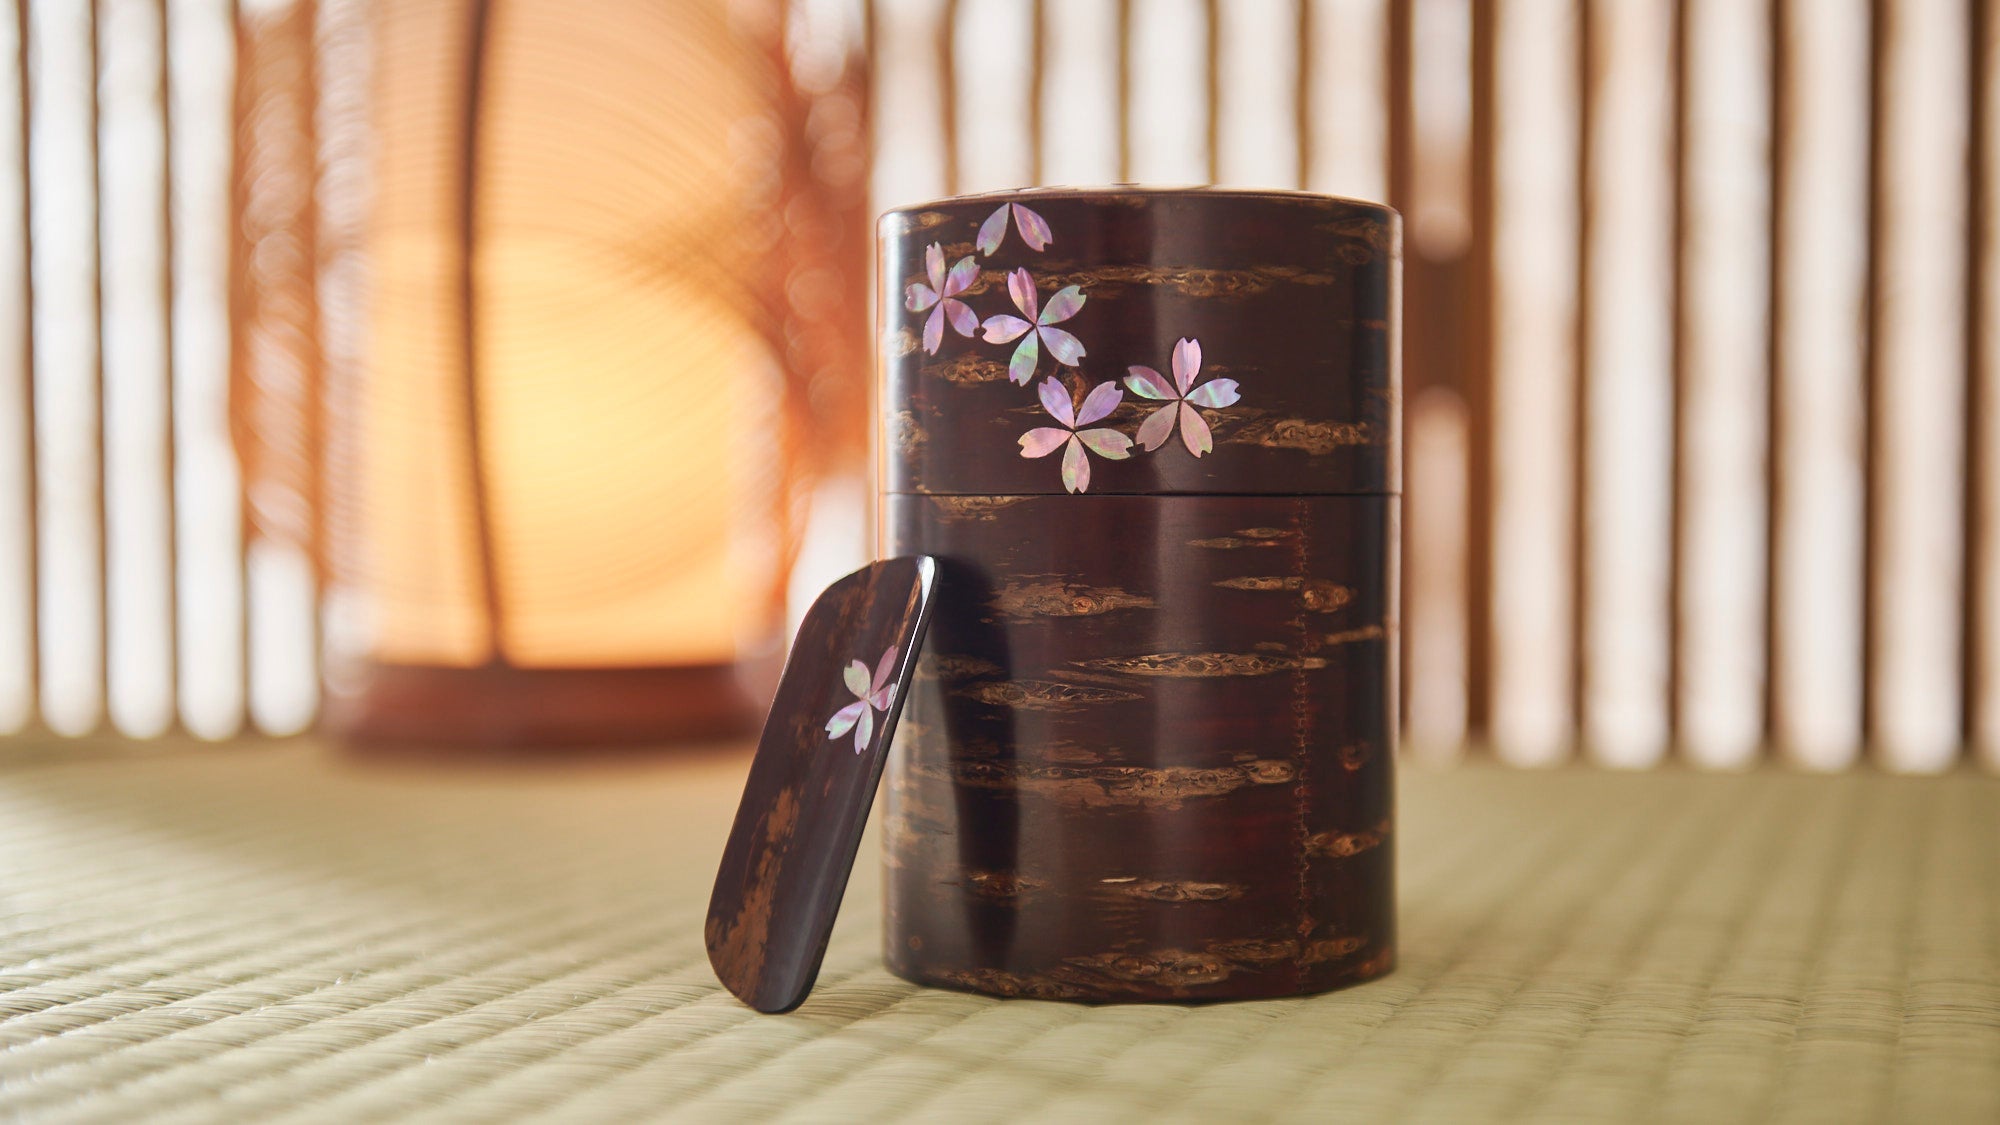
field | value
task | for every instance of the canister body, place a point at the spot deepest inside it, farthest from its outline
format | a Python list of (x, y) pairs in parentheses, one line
[(1148, 752), (1151, 761)]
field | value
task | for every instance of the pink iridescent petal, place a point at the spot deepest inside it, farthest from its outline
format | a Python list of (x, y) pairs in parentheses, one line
[(918, 297), (884, 669), (1215, 393), (1154, 432), (1187, 363), (934, 266), (1034, 229), (1101, 401), (1108, 444), (843, 719), (1076, 467), (993, 231), (1055, 400), (881, 699), (1027, 357), (961, 276), (1065, 347), (1194, 431), (855, 676), (1147, 383), (1003, 328), (863, 727), (963, 320), (934, 329), (1021, 287), (1063, 305), (1042, 441)]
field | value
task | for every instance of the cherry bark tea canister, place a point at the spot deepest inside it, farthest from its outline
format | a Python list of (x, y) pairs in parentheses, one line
[(1152, 437)]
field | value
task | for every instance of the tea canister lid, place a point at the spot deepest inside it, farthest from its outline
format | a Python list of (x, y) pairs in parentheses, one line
[(813, 780), (1140, 341)]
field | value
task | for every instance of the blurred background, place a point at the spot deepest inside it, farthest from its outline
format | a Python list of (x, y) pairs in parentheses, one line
[(496, 370)]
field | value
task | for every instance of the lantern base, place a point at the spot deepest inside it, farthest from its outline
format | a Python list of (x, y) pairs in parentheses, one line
[(502, 706)]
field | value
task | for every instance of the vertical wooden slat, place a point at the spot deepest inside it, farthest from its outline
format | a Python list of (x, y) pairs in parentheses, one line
[(1394, 176), (1079, 142), (1578, 562), (30, 542), (1626, 453), (1436, 479), (1721, 378), (1871, 440), (1477, 583), (947, 101), (1347, 105), (1917, 392), (239, 281), (344, 137), (1983, 415), (993, 51), (99, 511), (1254, 121), (909, 107), (277, 394), (1212, 44), (1038, 57), (67, 364), (246, 674), (1433, 95), (170, 460), (1778, 77), (1678, 375), (1536, 151), (1173, 103), (1398, 56), (1124, 91), (1302, 86), (136, 419), (871, 90), (1344, 56), (209, 627), (1440, 44), (1820, 229)]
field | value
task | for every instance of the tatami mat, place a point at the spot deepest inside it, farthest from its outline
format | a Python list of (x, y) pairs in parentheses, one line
[(282, 933)]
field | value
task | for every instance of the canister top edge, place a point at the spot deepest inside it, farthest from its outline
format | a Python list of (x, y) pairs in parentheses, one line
[(1393, 490), (1115, 193)]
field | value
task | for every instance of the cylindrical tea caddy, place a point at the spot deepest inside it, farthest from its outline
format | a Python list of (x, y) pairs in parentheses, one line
[(1153, 437)]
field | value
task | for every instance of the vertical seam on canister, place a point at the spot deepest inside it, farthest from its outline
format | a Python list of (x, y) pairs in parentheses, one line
[(1301, 744)]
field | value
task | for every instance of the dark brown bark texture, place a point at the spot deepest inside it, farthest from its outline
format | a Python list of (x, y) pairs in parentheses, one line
[(1148, 751)]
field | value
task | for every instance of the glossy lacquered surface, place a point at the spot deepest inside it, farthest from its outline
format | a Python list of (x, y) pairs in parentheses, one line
[(1148, 751), (814, 778), (1152, 437), (1291, 297)]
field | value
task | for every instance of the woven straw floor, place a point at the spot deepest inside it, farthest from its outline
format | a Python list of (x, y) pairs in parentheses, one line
[(270, 933)]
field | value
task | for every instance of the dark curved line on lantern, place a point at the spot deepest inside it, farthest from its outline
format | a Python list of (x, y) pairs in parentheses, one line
[(479, 24)]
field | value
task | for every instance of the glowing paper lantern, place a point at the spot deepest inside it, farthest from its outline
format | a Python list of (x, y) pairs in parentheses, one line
[(572, 413)]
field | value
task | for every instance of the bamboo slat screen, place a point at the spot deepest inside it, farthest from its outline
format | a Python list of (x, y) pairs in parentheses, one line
[(1702, 377), (130, 600), (185, 187), (1702, 336)]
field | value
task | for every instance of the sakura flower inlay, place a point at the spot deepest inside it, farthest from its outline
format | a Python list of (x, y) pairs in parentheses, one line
[(871, 694), (1039, 326), (941, 297), (1072, 438), (1034, 229), (1181, 402)]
